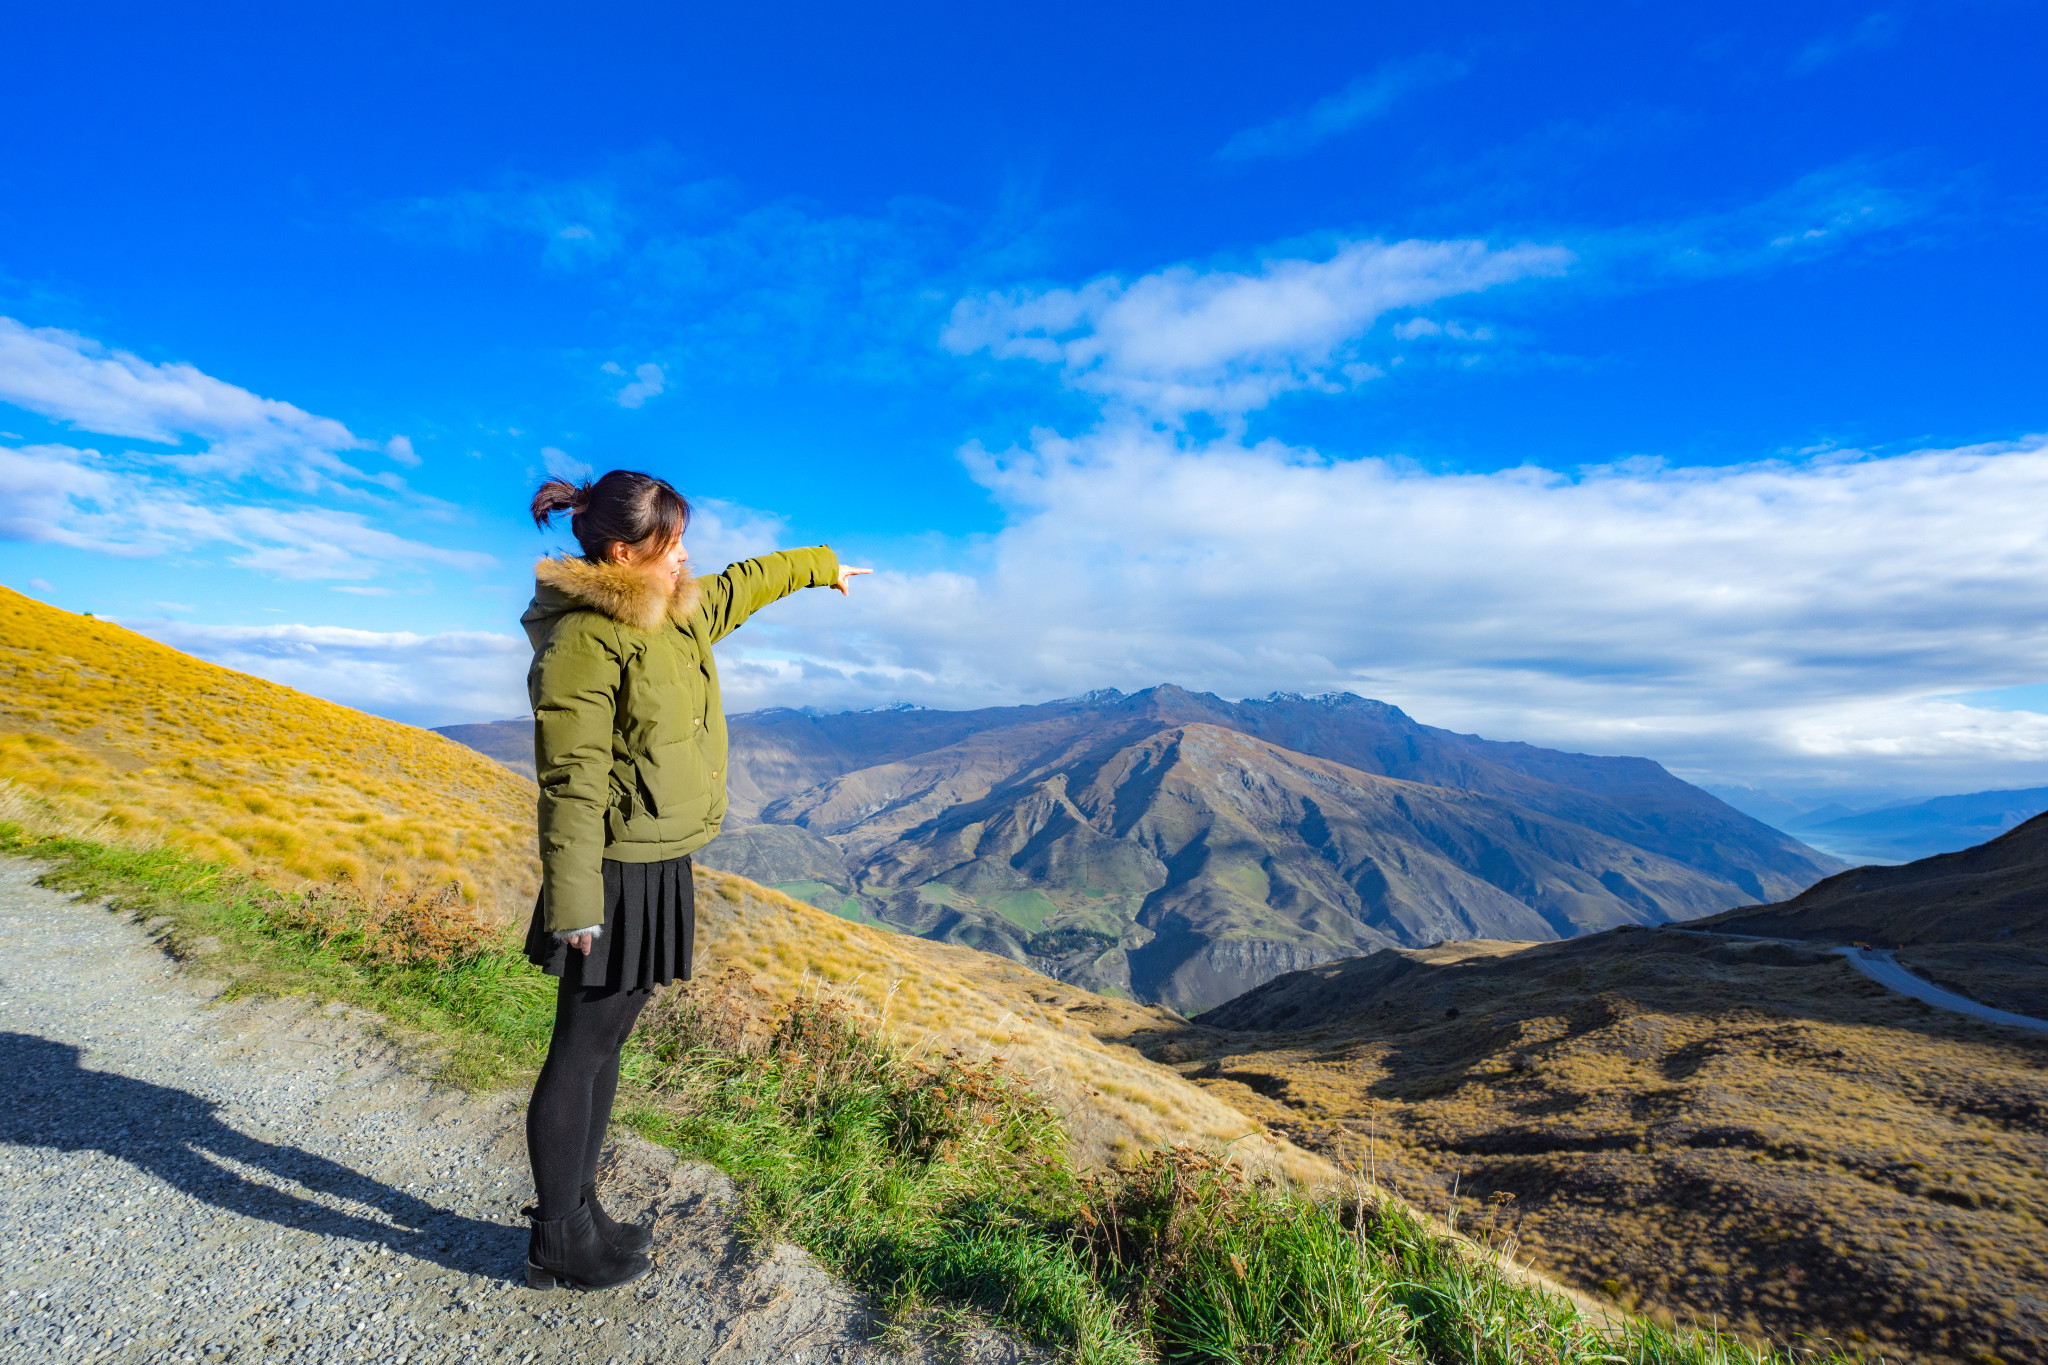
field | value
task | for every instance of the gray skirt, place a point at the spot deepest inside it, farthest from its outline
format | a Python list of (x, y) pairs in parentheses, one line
[(650, 931)]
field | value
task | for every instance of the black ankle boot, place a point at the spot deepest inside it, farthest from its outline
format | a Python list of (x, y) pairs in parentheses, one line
[(624, 1236), (570, 1252)]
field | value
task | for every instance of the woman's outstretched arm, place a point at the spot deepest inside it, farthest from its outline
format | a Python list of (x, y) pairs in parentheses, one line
[(746, 587)]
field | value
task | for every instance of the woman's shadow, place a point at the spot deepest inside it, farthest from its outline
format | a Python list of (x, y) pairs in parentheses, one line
[(180, 1139)]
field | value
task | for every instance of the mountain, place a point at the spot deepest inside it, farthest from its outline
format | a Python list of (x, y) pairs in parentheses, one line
[(1182, 848), (1741, 1131), (1975, 921), (1900, 834), (508, 741)]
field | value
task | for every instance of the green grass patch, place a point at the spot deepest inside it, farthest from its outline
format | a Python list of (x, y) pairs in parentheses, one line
[(826, 897), (1027, 909), (940, 1183)]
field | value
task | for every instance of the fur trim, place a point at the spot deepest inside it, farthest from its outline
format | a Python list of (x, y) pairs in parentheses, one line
[(619, 592)]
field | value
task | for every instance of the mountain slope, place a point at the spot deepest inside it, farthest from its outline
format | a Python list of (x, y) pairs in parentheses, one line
[(508, 741), (1183, 848), (1743, 1131), (109, 727)]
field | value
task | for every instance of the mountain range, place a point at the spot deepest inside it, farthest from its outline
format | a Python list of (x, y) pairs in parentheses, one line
[(1181, 848), (1901, 833)]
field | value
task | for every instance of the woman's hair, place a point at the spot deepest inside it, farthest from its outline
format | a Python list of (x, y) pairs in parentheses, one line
[(636, 509)]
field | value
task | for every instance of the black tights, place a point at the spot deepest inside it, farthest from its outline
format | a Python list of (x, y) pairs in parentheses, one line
[(572, 1100)]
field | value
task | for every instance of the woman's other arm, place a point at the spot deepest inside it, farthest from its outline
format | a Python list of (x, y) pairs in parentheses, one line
[(576, 684)]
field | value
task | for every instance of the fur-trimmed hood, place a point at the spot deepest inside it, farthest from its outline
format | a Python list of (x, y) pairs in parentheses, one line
[(626, 595)]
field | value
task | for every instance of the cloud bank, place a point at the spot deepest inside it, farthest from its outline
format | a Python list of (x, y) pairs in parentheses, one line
[(1776, 619)]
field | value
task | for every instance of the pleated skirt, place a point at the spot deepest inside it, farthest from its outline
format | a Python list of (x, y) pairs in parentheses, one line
[(650, 930)]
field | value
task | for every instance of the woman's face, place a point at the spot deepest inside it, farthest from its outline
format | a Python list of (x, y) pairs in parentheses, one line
[(663, 564)]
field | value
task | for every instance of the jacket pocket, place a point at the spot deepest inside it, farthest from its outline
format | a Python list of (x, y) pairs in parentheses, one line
[(677, 780)]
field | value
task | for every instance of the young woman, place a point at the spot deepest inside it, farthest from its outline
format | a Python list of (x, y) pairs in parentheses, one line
[(630, 744)]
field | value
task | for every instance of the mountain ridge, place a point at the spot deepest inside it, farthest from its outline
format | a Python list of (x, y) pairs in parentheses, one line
[(895, 808)]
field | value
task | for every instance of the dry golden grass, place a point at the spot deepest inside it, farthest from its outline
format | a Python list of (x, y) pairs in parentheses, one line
[(107, 729), (1116, 1102), (1746, 1133)]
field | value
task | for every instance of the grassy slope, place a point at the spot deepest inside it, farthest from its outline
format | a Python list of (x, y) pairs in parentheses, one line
[(109, 726), (1752, 1133)]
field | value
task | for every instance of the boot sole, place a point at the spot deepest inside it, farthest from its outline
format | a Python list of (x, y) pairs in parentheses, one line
[(537, 1278)]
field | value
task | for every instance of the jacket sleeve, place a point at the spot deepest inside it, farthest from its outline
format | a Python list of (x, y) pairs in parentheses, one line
[(575, 690), (746, 587)]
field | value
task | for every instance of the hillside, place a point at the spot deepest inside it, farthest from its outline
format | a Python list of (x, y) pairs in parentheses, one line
[(109, 727), (1182, 848), (1945, 824), (1070, 1041), (1748, 1132), (1975, 921), (107, 732)]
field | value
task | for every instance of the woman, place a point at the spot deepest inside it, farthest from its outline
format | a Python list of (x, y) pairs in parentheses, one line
[(629, 743)]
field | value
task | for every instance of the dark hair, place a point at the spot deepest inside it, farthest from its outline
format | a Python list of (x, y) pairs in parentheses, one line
[(621, 507)]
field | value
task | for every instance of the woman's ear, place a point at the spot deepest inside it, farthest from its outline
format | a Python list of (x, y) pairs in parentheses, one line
[(618, 552)]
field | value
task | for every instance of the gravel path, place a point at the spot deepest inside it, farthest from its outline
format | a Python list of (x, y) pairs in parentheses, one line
[(182, 1180)]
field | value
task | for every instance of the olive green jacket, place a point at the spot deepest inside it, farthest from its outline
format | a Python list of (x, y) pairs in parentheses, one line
[(628, 734)]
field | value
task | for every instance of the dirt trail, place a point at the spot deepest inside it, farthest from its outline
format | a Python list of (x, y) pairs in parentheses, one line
[(182, 1180)]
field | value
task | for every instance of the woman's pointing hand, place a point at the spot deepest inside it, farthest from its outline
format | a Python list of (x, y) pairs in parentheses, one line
[(845, 573)]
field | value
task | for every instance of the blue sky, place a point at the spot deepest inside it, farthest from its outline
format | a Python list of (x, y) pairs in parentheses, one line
[(1610, 376)]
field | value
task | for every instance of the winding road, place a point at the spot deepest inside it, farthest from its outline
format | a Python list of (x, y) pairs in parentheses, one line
[(1880, 966)]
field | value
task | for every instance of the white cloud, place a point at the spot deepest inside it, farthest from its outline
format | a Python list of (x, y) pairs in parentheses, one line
[(76, 380), (65, 495), (1783, 617), (153, 501), (724, 532), (563, 465), (647, 383), (1365, 99), (1182, 340), (439, 679)]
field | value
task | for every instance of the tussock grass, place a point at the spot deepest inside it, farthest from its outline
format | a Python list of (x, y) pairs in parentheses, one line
[(1745, 1133), (111, 730), (940, 1180)]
